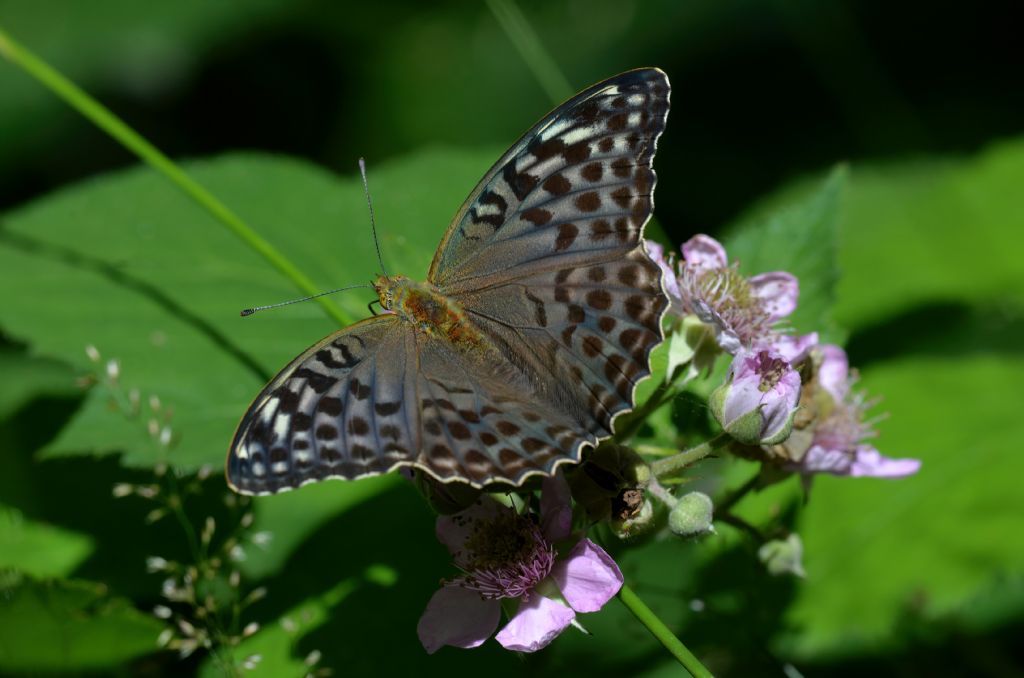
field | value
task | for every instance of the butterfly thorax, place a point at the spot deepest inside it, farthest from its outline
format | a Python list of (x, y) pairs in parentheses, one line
[(432, 312)]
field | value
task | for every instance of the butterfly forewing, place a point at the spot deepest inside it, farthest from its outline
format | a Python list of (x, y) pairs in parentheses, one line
[(576, 188)]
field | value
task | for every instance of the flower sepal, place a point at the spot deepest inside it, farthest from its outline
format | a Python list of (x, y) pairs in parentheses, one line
[(783, 556)]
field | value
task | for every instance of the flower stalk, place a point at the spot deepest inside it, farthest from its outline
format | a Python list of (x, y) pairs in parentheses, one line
[(659, 630)]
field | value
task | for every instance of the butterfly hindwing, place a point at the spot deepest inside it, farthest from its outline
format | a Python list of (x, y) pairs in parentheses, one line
[(483, 423), (585, 331), (337, 411), (379, 395)]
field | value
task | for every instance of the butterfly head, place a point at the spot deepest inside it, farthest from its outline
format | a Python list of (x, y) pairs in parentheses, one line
[(388, 290)]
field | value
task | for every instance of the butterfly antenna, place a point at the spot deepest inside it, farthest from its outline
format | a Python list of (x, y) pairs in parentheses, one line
[(373, 223), (250, 311)]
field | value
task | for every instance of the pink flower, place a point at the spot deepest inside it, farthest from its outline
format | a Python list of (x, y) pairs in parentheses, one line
[(505, 555), (757, 404), (838, 441), (743, 312)]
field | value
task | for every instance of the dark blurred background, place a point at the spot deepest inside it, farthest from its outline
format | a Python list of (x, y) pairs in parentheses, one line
[(762, 91)]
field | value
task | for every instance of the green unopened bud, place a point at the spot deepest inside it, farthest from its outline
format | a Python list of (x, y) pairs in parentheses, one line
[(783, 556), (692, 515)]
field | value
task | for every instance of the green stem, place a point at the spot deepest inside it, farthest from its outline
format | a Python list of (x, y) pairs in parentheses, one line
[(658, 629), (134, 142), (678, 462), (531, 49)]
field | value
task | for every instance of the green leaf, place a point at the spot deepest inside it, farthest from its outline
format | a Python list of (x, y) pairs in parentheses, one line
[(69, 625), (276, 644), (800, 236), (39, 549), (292, 517), (26, 378), (877, 550), (931, 291), (131, 266), (933, 231)]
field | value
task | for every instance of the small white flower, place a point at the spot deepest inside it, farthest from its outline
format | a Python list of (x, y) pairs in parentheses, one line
[(262, 539), (123, 489), (156, 564), (93, 353), (164, 637)]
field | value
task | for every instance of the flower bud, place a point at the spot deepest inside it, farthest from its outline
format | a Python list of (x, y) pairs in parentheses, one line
[(639, 523), (692, 515), (600, 484), (757, 405), (783, 556)]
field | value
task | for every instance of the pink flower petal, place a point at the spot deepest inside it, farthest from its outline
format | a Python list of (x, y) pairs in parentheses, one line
[(869, 462), (657, 254), (761, 381), (453, 530), (457, 617), (555, 510), (794, 348), (702, 252), (833, 375), (725, 336), (538, 622), (778, 292), (588, 577), (821, 459)]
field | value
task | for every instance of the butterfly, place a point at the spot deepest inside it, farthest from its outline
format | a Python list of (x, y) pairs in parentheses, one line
[(535, 324)]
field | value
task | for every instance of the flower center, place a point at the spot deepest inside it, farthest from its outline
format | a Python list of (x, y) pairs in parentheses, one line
[(771, 369), (726, 292), (509, 556)]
